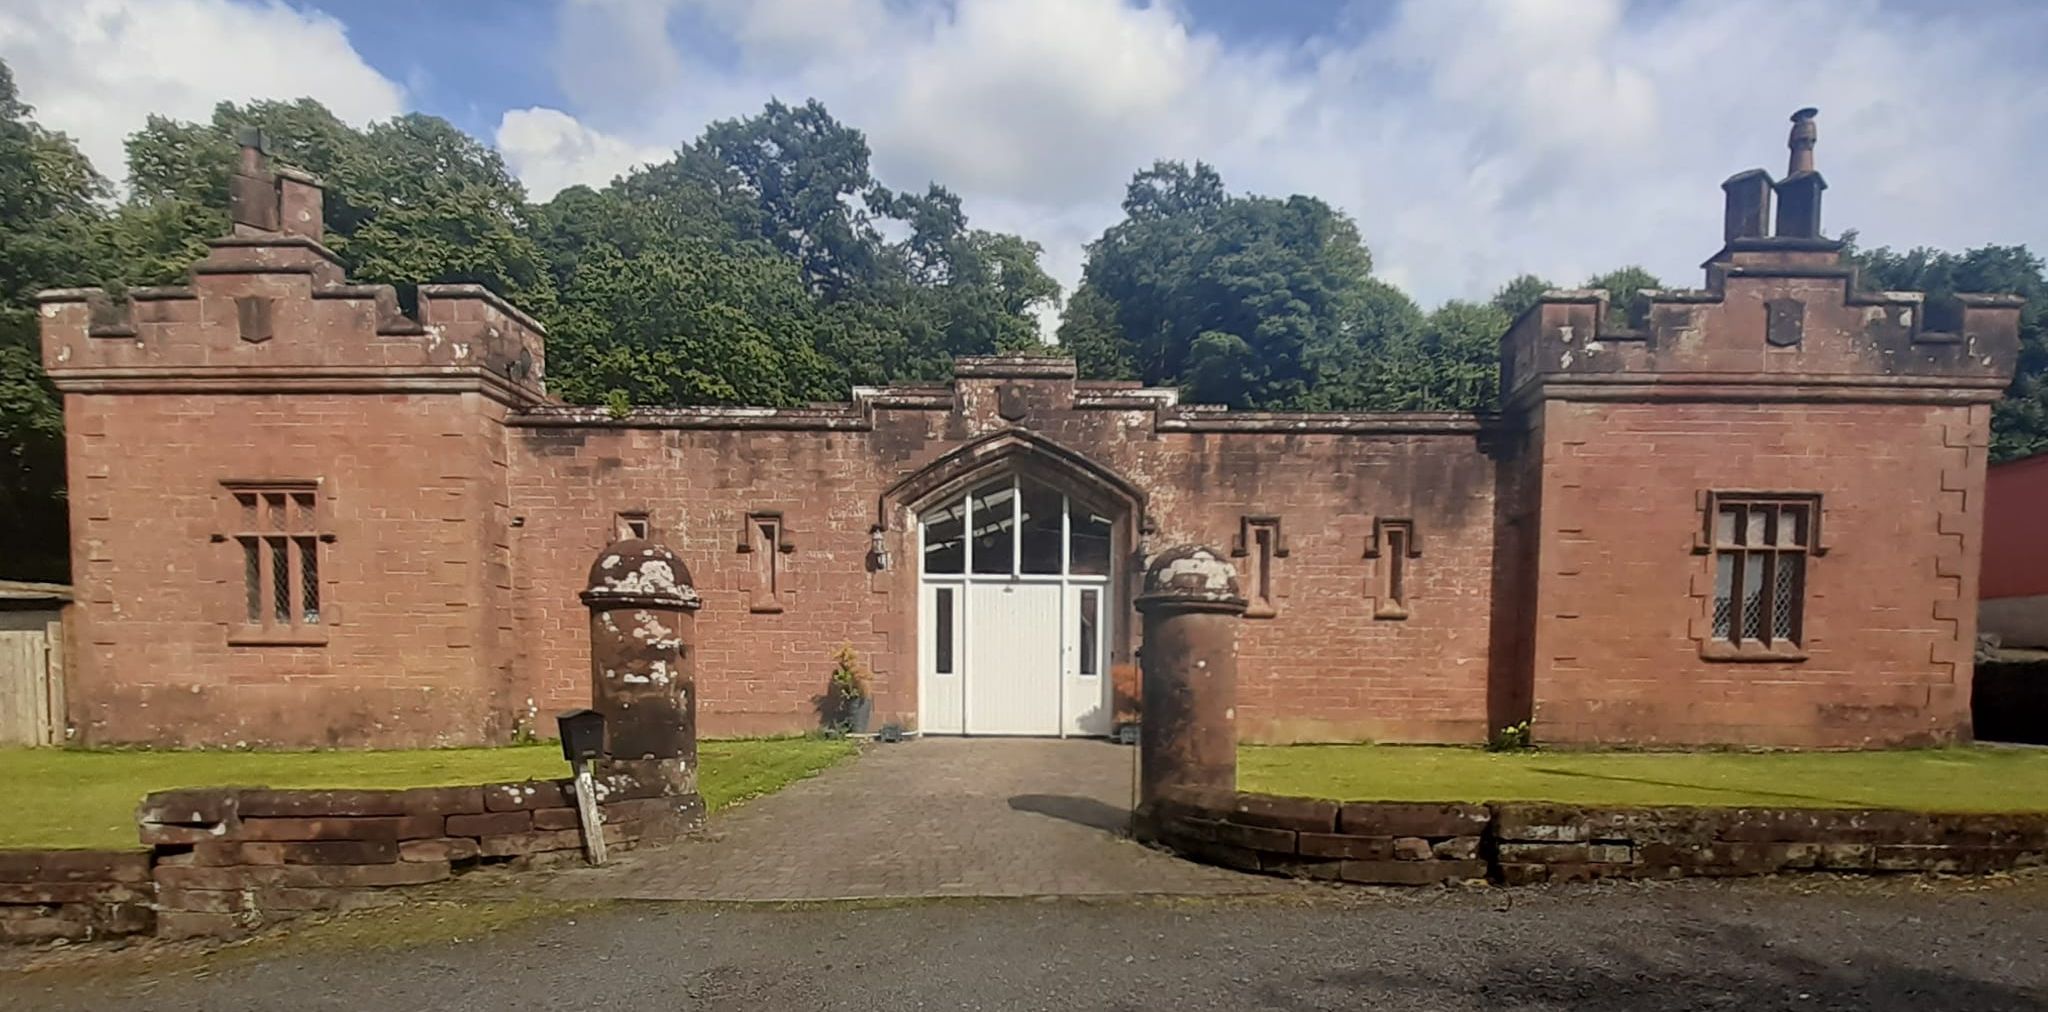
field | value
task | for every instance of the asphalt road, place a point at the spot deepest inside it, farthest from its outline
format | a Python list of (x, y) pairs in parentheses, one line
[(1752, 946)]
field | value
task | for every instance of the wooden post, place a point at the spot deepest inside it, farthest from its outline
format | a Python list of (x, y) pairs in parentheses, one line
[(588, 814)]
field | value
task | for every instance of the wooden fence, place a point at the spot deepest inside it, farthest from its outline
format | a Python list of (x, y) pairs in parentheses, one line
[(31, 664)]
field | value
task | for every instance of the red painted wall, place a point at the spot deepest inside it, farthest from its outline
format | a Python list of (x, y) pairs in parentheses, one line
[(2016, 528)]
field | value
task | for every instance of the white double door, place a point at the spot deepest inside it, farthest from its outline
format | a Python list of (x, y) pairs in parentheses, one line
[(1015, 656)]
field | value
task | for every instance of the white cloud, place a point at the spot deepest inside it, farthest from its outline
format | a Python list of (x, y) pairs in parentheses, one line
[(549, 151), (96, 68), (1472, 139)]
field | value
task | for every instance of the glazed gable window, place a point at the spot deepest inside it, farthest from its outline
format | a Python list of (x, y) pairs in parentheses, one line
[(1761, 545), (279, 537)]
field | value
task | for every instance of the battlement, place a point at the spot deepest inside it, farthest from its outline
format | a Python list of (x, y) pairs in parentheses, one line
[(1782, 317), (270, 308)]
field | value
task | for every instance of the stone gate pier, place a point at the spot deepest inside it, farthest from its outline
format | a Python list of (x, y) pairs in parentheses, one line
[(643, 631)]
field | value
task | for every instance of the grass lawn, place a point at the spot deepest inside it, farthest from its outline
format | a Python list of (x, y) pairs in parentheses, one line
[(1954, 779), (84, 799)]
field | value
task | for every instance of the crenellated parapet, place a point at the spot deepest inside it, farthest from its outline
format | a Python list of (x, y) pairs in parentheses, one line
[(1782, 317), (270, 308), (1764, 331)]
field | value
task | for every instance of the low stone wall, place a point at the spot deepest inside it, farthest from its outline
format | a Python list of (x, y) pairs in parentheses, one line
[(74, 895), (1397, 843), (1375, 844), (228, 860), (1543, 843)]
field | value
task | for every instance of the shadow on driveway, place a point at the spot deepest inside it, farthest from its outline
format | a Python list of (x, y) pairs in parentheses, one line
[(1088, 812)]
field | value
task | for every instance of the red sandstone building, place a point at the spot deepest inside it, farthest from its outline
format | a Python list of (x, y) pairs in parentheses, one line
[(2014, 606), (303, 517)]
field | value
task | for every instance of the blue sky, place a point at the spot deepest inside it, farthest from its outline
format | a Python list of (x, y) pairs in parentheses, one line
[(1470, 139)]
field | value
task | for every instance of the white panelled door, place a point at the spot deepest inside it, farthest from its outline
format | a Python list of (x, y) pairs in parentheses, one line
[(1086, 696), (1013, 658), (1014, 613), (941, 616)]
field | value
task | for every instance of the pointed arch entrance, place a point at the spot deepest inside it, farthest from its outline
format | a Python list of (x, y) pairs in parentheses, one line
[(1020, 548)]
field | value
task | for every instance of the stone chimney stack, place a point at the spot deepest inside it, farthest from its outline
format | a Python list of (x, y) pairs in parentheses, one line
[(265, 201), (1749, 205), (252, 190), (1799, 192)]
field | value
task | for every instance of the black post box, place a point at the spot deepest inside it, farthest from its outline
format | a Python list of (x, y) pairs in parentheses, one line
[(582, 734)]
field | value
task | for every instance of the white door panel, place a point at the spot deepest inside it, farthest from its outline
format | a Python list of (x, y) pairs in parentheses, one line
[(940, 620), (1013, 659), (1085, 666)]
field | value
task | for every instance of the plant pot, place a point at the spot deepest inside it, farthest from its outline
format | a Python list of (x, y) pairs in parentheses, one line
[(856, 713)]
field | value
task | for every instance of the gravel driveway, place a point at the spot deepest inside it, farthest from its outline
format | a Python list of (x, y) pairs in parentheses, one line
[(1834, 944), (940, 817)]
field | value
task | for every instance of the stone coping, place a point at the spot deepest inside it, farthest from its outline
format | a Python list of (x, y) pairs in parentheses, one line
[(222, 861), (1516, 843)]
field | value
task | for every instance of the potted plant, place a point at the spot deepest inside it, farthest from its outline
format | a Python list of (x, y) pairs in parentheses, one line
[(1127, 700), (852, 691)]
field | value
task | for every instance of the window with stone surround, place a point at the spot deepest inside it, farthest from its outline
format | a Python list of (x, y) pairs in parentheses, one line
[(278, 533), (1760, 544), (766, 538), (1393, 546), (1258, 544)]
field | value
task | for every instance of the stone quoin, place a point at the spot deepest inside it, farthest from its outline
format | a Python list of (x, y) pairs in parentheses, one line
[(305, 516)]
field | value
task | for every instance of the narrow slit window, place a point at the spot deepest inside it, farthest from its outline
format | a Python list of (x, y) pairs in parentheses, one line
[(1259, 544), (1760, 546), (942, 628), (279, 541), (1395, 548), (764, 539), (1397, 566), (1090, 638), (632, 526), (764, 536)]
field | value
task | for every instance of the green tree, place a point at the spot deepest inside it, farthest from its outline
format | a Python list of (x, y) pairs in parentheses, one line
[(1089, 333), (807, 175), (408, 200), (1515, 297), (791, 186), (690, 324), (1371, 363), (51, 234), (1446, 360), (1239, 300), (1622, 284), (2019, 423)]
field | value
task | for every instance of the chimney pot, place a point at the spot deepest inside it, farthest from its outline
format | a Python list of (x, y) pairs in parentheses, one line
[(1801, 142), (1799, 193)]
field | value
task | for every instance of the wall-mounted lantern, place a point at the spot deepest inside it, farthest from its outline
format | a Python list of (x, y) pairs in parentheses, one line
[(878, 546)]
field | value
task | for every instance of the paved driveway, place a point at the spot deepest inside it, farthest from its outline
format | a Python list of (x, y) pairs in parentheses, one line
[(938, 817)]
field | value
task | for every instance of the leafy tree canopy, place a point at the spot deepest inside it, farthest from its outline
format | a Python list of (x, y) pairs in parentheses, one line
[(1240, 299), (2019, 423), (51, 232), (1622, 284)]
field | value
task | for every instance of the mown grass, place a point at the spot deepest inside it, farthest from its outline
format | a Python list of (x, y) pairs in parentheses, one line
[(1951, 779), (86, 799)]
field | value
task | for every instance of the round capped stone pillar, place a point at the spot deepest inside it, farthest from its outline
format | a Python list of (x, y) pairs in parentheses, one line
[(643, 637), (1188, 734)]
